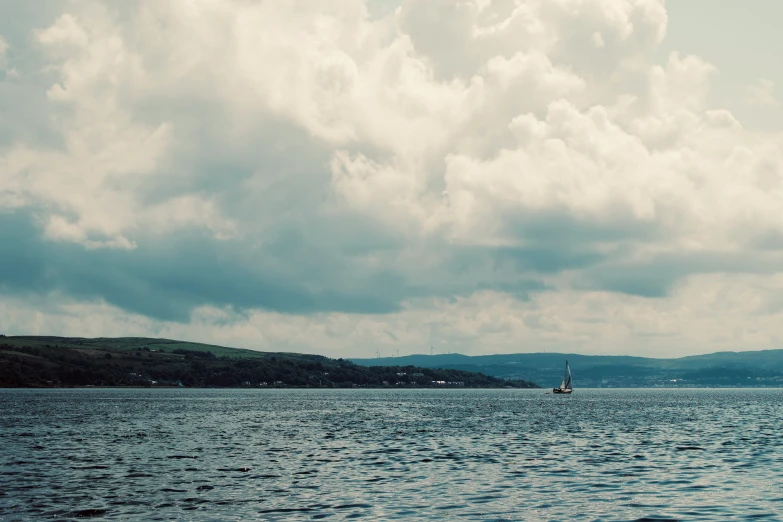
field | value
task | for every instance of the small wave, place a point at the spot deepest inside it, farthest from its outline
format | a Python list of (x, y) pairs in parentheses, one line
[(89, 513), (450, 506), (286, 510)]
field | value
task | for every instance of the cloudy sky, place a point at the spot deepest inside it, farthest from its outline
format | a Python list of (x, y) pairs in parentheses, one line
[(486, 176)]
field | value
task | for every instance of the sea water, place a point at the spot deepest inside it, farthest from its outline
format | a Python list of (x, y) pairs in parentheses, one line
[(301, 454)]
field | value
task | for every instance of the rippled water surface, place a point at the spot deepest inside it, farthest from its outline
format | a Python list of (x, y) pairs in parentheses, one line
[(179, 454)]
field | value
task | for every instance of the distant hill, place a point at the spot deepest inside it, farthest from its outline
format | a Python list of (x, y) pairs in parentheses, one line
[(755, 369), (121, 344), (33, 361)]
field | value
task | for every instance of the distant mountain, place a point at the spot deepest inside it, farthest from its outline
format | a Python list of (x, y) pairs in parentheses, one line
[(754, 369), (32, 361)]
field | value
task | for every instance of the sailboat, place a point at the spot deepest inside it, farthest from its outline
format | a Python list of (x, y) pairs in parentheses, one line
[(565, 384)]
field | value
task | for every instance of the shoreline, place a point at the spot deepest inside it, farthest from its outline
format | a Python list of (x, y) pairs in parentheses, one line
[(292, 387)]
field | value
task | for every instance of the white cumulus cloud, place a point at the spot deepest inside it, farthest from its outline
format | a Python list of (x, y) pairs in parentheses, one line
[(489, 175), (762, 93)]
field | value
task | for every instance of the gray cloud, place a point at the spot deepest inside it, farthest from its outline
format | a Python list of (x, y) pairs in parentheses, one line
[(300, 267), (165, 277), (657, 275)]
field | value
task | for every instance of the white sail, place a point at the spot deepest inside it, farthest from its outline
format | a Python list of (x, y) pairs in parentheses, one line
[(565, 384)]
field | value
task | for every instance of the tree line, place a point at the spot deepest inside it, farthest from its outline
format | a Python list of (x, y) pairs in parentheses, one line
[(53, 365)]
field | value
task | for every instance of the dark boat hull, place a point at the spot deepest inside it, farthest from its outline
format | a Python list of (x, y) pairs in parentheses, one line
[(558, 390)]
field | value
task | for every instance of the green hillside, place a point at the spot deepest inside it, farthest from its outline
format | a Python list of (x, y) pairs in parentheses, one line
[(121, 344), (27, 361)]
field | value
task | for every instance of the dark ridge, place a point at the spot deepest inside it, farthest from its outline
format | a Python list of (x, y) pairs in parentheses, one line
[(722, 369), (27, 361)]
